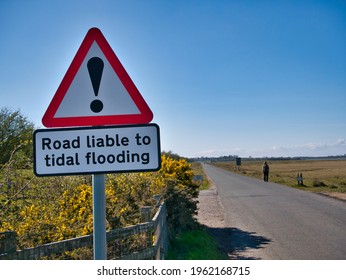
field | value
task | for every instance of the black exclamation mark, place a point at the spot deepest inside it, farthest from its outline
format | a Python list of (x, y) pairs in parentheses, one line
[(95, 68)]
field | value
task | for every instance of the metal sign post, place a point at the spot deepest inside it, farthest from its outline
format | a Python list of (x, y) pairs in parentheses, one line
[(99, 212)]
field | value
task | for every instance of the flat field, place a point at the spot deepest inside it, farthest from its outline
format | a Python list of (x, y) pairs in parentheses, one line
[(324, 176)]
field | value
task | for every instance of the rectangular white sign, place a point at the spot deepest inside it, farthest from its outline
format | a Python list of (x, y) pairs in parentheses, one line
[(91, 150)]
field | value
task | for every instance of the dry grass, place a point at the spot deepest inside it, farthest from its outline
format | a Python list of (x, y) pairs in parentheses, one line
[(319, 175)]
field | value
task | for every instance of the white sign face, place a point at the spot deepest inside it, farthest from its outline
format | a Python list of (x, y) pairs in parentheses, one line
[(91, 150), (111, 91)]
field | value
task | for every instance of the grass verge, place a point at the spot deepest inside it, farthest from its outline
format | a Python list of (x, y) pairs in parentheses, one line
[(194, 245)]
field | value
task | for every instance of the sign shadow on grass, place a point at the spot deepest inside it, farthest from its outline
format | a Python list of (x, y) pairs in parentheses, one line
[(236, 243)]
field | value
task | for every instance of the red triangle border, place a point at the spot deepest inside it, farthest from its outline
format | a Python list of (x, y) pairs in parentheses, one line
[(145, 116)]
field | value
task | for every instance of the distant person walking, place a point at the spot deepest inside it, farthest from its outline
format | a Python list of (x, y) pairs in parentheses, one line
[(265, 169)]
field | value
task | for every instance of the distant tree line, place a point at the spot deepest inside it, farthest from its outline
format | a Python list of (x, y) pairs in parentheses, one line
[(233, 158), (213, 159)]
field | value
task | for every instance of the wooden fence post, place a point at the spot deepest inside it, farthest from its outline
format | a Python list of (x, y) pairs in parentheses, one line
[(145, 218), (8, 242), (145, 214), (300, 179)]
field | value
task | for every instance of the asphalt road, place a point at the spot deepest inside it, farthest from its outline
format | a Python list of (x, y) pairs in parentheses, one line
[(273, 222)]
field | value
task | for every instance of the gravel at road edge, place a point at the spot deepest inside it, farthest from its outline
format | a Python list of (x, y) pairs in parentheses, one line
[(211, 214)]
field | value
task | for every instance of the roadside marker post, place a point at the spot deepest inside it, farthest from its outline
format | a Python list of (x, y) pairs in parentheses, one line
[(96, 93)]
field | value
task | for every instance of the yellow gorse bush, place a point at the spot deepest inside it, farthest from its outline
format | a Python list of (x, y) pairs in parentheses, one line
[(58, 215)]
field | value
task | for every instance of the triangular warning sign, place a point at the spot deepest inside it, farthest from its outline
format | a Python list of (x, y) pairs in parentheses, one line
[(96, 90)]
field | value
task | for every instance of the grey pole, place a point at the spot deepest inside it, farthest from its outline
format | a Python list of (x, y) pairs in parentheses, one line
[(99, 212)]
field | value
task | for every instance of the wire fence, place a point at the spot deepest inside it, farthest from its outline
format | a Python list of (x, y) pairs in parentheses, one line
[(147, 240)]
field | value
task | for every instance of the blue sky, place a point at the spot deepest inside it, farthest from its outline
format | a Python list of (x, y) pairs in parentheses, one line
[(247, 78)]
